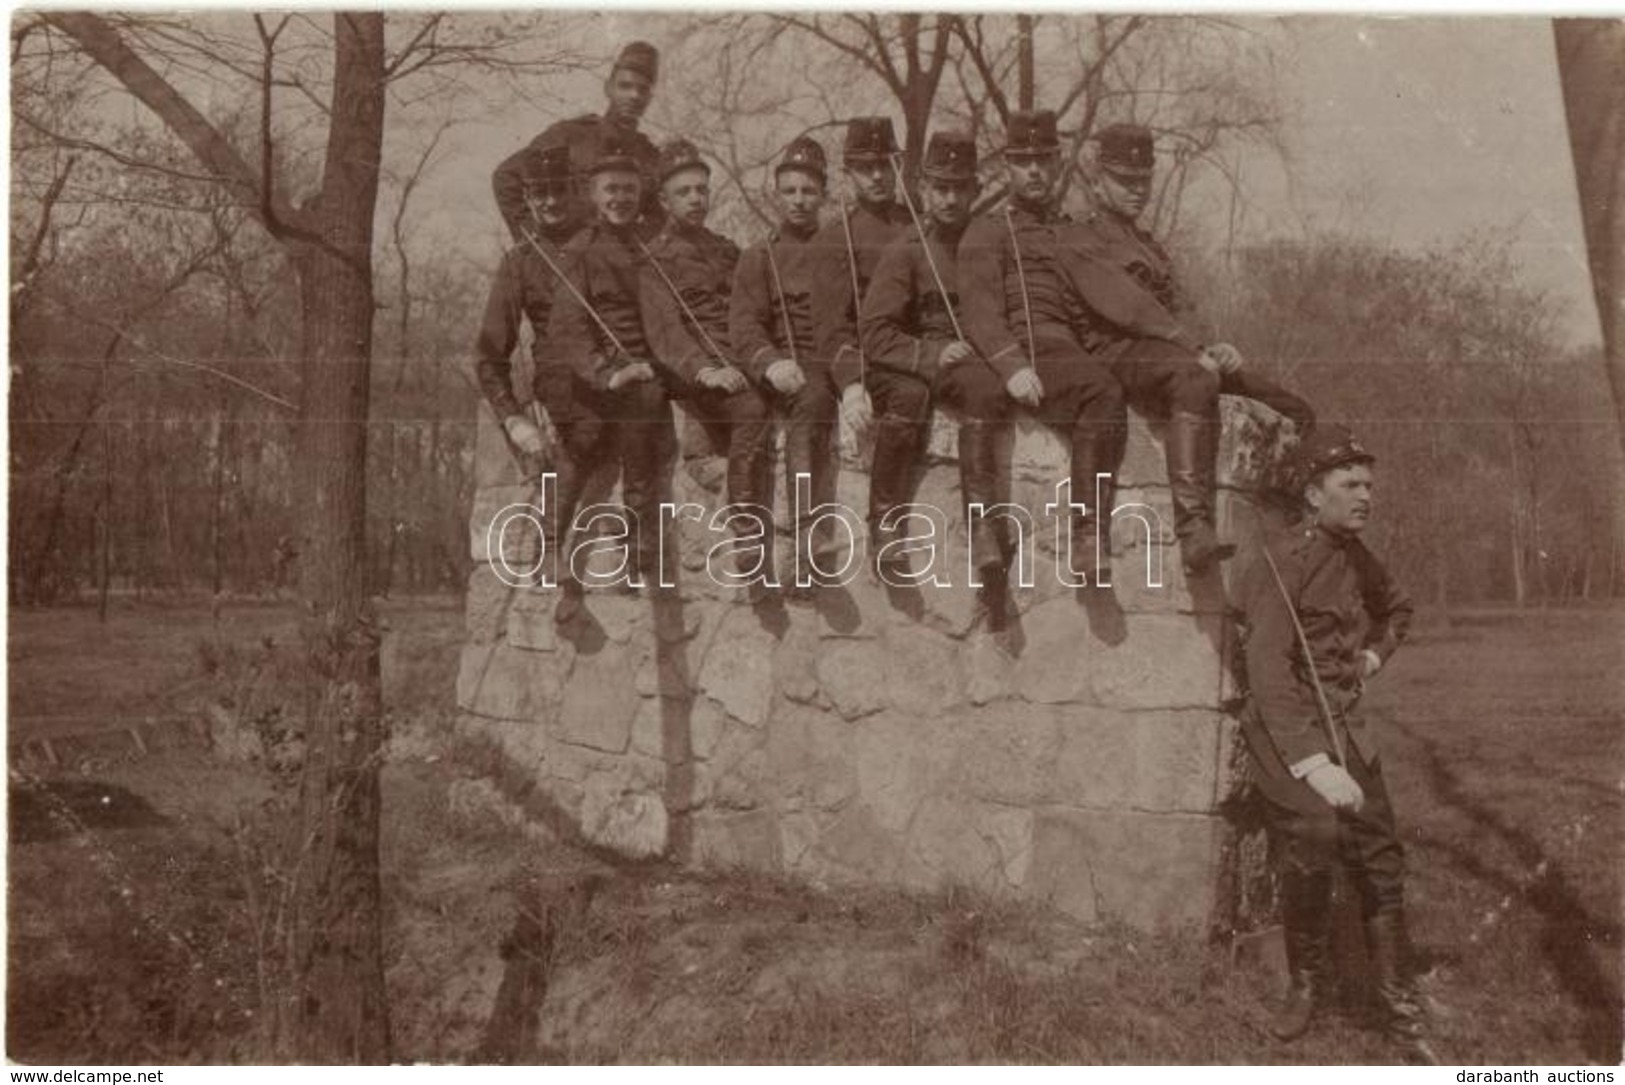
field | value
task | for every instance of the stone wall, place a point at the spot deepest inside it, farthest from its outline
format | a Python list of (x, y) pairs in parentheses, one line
[(883, 735)]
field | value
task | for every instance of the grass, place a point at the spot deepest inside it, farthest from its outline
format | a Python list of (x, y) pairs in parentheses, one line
[(130, 932)]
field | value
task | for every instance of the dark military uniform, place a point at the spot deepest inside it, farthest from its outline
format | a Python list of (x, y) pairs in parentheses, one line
[(758, 313), (904, 326), (872, 228), (1021, 310), (1347, 605), (699, 266), (631, 425), (585, 136)]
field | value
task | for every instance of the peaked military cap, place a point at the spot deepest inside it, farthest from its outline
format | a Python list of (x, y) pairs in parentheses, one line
[(1031, 133), (615, 152), (677, 155), (868, 138), (1127, 150), (548, 166), (951, 156), (804, 153), (1330, 445), (641, 57)]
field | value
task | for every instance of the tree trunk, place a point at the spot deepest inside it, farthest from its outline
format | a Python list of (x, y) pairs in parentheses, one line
[(1025, 82), (339, 1013), (1588, 63)]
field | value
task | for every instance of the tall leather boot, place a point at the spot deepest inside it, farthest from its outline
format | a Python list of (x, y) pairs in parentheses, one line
[(1097, 448), (1190, 449), (1404, 1020), (979, 484), (1306, 912), (891, 484)]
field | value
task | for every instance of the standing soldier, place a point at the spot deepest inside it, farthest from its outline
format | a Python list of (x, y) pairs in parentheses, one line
[(1320, 618), (1023, 315), (852, 246), (526, 287), (598, 325), (771, 327), (627, 93), (916, 349), (685, 289)]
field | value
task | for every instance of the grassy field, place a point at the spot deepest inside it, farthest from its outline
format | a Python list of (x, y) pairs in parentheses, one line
[(137, 929)]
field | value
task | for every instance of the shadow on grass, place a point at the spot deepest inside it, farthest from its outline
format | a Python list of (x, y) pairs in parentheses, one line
[(1570, 931)]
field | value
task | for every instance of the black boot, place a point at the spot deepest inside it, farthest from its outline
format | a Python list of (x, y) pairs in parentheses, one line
[(1097, 449), (891, 485), (1403, 1019), (1190, 449), (1306, 905), (979, 485)]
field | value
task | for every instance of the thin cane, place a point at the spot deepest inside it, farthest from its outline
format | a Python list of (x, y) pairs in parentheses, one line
[(1021, 277), (930, 260), (857, 295), (710, 344), (614, 341), (1314, 676), (784, 306)]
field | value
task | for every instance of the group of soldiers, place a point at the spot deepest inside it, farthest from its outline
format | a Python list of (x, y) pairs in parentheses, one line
[(896, 305)]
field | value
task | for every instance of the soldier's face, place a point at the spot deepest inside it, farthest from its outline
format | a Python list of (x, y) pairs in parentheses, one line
[(627, 94), (1341, 498), (873, 181), (948, 203), (801, 195), (686, 196), (1126, 196), (549, 204), (615, 196), (1032, 177)]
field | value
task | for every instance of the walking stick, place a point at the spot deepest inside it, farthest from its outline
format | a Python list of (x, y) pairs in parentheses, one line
[(710, 344), (1021, 277), (857, 294), (614, 341)]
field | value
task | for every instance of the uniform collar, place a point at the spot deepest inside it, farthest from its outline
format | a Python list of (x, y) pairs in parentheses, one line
[(1043, 214), (787, 232)]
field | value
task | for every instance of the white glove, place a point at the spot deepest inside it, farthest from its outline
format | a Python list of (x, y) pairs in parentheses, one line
[(1336, 786), (525, 434), (786, 376), (1220, 358)]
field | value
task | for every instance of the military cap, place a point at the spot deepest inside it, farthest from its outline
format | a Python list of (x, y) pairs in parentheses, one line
[(547, 166), (1127, 150), (951, 156), (804, 153), (868, 139), (641, 57), (615, 152), (677, 155), (1031, 133), (1330, 445)]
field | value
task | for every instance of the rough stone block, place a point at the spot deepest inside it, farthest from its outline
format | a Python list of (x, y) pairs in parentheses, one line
[(901, 760), (738, 669), (501, 682), (1154, 761), (504, 521), (810, 759), (986, 847), (727, 839), (1150, 870), (599, 703), (1004, 754), (485, 607), (925, 679), (530, 619), (852, 675), (1167, 661), (633, 824)]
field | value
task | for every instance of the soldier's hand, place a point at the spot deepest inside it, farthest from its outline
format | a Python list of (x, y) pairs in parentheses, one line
[(1025, 388), (856, 411), (1220, 358), (955, 352), (1337, 787), (525, 434), (631, 374), (786, 376), (723, 378), (1370, 664)]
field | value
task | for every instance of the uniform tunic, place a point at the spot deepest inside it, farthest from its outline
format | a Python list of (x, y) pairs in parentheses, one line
[(756, 318), (834, 307), (701, 266), (584, 135), (1347, 602), (524, 289)]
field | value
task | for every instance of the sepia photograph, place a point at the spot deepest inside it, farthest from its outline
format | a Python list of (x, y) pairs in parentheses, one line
[(840, 537)]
